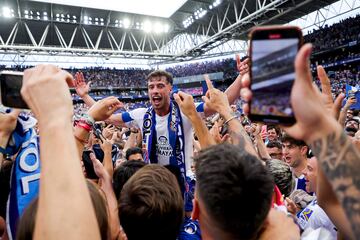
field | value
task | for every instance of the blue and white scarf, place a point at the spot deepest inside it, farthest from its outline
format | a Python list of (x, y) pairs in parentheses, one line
[(176, 138), (25, 175)]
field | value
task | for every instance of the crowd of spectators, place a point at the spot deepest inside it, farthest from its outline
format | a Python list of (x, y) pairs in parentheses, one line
[(339, 79), (118, 170), (338, 34)]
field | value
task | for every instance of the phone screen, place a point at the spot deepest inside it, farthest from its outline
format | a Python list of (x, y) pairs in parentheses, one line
[(273, 74), (11, 83)]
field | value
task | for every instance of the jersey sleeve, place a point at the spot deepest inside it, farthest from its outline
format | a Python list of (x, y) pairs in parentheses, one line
[(200, 107), (134, 118)]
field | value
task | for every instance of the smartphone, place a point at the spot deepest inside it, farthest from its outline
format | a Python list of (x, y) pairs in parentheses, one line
[(98, 131), (272, 54), (10, 86)]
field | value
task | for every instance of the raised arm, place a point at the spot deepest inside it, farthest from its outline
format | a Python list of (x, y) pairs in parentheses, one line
[(218, 102), (337, 156), (348, 104), (64, 200), (187, 106), (233, 91), (100, 111), (106, 186), (82, 89)]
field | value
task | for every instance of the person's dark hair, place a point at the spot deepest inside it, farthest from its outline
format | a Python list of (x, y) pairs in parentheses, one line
[(274, 144), (151, 205), (123, 173), (286, 138), (352, 120), (282, 175), (161, 73), (236, 190), (276, 128), (133, 150), (26, 225)]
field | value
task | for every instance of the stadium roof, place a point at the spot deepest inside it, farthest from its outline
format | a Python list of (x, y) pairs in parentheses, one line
[(34, 27)]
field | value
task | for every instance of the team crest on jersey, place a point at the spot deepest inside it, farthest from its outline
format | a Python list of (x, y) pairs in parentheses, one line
[(147, 123), (307, 213)]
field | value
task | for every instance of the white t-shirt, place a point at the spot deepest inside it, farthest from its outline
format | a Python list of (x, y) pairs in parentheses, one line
[(163, 147), (312, 216)]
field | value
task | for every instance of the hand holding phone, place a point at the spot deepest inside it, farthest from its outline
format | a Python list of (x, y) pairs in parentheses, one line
[(10, 85), (272, 52)]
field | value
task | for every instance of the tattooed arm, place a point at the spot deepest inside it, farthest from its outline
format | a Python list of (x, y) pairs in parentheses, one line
[(338, 157), (340, 161)]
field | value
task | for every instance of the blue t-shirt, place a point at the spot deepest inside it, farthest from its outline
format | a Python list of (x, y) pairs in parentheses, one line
[(190, 230)]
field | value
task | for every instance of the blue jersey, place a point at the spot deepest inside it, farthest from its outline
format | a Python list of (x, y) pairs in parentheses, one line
[(190, 230)]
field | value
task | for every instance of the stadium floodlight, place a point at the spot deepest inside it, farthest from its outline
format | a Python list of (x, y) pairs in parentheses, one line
[(38, 17), (68, 20), (116, 21), (126, 23), (45, 18), (31, 12), (86, 22), (6, 12), (45, 13), (147, 26), (96, 19), (57, 15), (158, 27), (38, 13), (68, 15), (166, 28), (101, 19), (62, 15), (210, 7), (26, 11), (74, 21), (102, 23), (86, 17), (26, 16), (74, 17), (58, 19), (90, 18)]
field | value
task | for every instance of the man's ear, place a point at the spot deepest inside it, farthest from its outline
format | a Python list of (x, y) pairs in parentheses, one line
[(196, 210), (304, 150)]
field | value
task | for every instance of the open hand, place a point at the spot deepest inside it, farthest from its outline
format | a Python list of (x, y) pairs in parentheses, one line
[(82, 88)]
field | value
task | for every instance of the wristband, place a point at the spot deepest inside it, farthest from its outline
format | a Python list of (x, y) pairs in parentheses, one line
[(84, 125), (87, 119), (227, 121)]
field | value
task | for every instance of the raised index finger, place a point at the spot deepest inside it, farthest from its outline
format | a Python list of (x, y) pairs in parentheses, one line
[(324, 79), (208, 82)]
